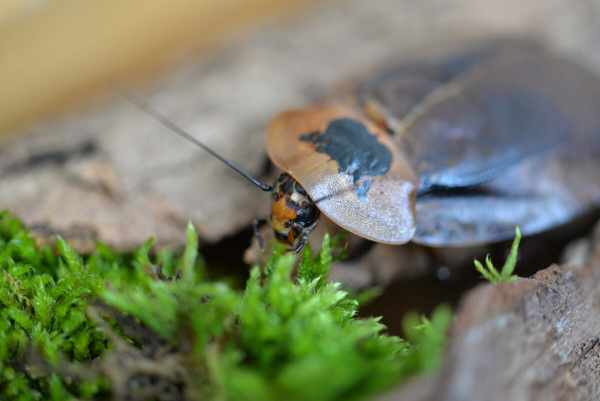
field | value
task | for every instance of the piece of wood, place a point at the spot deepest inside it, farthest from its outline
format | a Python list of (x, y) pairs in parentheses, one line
[(532, 339)]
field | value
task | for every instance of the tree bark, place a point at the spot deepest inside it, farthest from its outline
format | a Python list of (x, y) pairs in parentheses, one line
[(532, 339)]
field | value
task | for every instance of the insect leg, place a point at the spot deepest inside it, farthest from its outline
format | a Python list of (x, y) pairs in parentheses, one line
[(305, 237), (256, 224), (299, 246)]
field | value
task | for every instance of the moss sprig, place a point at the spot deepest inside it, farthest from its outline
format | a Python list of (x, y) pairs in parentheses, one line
[(145, 326), (505, 275)]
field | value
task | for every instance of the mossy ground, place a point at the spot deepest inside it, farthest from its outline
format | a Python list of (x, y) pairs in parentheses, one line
[(136, 327)]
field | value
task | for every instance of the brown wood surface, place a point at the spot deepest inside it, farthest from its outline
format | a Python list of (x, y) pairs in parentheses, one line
[(532, 339)]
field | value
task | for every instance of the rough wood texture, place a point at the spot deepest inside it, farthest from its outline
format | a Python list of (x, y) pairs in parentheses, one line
[(116, 175), (532, 339)]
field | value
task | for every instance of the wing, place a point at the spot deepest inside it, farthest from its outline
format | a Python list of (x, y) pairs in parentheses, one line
[(504, 135)]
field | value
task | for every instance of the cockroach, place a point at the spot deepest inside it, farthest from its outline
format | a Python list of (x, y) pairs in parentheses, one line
[(448, 151)]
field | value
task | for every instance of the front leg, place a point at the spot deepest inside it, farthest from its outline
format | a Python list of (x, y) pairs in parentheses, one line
[(256, 224), (305, 238)]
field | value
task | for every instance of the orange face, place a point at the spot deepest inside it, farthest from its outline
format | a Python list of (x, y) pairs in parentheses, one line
[(293, 213)]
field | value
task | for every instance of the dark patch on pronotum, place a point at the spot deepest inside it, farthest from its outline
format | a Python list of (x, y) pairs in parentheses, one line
[(355, 149)]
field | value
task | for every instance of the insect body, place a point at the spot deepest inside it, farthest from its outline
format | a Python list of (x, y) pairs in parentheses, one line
[(501, 135), (293, 214), (449, 151)]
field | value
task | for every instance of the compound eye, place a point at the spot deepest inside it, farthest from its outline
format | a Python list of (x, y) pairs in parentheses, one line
[(299, 189), (287, 224), (311, 212)]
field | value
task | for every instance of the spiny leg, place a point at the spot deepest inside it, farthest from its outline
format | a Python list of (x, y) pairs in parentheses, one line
[(256, 224), (305, 238)]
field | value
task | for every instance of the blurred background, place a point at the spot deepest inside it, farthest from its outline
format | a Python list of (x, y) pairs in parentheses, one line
[(77, 160), (57, 53)]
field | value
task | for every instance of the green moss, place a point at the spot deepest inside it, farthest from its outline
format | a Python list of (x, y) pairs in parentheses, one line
[(141, 327), (505, 275)]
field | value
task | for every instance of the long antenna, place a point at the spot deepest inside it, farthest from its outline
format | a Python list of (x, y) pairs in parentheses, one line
[(145, 107)]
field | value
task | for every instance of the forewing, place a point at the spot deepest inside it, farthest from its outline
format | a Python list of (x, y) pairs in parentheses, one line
[(512, 137)]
